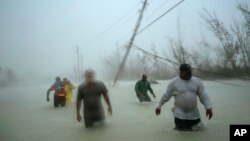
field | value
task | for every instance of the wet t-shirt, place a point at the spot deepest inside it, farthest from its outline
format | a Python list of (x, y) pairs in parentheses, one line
[(142, 87), (91, 96), (185, 93)]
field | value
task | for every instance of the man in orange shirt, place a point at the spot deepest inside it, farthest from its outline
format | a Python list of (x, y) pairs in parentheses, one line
[(59, 93)]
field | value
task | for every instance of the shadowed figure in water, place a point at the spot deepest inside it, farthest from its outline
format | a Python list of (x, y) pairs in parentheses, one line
[(185, 89), (141, 88), (59, 93), (90, 93)]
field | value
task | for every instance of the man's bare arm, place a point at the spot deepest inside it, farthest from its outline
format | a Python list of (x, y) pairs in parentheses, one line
[(48, 91), (78, 108), (106, 98)]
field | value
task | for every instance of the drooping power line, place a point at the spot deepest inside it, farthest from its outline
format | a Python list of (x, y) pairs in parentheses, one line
[(151, 23), (155, 10), (175, 63), (117, 22)]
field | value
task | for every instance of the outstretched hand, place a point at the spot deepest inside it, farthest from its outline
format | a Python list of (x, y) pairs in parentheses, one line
[(209, 113), (157, 111)]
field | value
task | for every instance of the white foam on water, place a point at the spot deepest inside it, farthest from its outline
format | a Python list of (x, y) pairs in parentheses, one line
[(169, 129), (199, 127)]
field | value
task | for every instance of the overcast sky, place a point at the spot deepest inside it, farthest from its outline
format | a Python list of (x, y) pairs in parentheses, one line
[(39, 37)]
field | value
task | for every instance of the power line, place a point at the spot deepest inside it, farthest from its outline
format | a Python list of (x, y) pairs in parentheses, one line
[(91, 40), (140, 31), (156, 9), (151, 23), (131, 41), (125, 22), (159, 57), (175, 63), (130, 17), (119, 20), (154, 55)]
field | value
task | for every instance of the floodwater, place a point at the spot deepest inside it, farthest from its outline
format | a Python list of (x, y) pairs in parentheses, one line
[(26, 116)]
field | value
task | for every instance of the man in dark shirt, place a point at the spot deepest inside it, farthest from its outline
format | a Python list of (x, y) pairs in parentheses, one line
[(89, 93), (141, 88)]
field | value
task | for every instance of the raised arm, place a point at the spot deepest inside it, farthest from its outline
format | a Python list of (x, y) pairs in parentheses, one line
[(205, 100)]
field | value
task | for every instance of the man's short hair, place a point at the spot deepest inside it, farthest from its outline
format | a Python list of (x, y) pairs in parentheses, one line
[(57, 78), (185, 67), (88, 71)]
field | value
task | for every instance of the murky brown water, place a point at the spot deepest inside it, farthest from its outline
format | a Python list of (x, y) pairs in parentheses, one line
[(26, 116)]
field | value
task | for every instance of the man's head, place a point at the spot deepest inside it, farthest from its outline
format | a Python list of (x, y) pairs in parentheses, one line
[(58, 78), (144, 77), (89, 75), (65, 80), (185, 72)]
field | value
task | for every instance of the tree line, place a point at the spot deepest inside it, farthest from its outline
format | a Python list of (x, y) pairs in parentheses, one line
[(230, 59)]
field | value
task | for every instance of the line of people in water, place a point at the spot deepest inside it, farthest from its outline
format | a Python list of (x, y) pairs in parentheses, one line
[(185, 89)]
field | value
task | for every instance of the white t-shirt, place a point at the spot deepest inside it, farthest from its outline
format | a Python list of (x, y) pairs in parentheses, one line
[(185, 93)]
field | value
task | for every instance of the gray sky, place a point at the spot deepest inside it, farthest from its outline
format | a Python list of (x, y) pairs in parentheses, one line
[(39, 37)]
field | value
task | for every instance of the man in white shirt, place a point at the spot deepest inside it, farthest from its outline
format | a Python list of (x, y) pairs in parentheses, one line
[(185, 88)]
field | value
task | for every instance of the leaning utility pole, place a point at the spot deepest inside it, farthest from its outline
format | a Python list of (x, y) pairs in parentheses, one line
[(130, 42)]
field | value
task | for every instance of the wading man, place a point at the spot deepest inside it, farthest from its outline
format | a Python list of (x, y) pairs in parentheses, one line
[(90, 93), (59, 93), (141, 89), (185, 89), (68, 87)]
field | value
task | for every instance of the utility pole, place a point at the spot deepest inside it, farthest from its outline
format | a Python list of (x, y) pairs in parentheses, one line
[(78, 63), (75, 73), (81, 70), (130, 42)]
